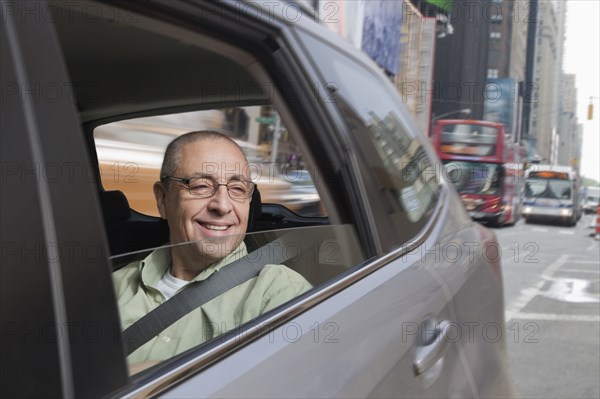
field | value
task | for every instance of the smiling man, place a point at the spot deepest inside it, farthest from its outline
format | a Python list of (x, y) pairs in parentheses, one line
[(204, 194)]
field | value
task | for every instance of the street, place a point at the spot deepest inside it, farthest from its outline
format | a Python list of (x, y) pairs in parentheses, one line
[(551, 282)]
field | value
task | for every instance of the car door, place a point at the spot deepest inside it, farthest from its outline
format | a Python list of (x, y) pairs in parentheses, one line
[(402, 183), (364, 333), (60, 329)]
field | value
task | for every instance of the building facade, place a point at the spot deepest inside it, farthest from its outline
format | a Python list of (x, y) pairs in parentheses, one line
[(499, 16), (398, 35), (415, 72), (461, 60), (506, 64), (518, 39), (568, 150), (547, 75)]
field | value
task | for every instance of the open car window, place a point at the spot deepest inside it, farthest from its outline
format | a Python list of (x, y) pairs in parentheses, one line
[(292, 262), (208, 82), (130, 154)]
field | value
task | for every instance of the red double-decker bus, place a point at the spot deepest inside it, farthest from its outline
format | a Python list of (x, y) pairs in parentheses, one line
[(485, 167)]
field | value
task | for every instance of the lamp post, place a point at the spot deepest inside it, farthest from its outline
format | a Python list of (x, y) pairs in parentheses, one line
[(434, 117)]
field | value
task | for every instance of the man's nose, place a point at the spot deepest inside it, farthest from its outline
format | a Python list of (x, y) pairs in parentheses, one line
[(220, 202)]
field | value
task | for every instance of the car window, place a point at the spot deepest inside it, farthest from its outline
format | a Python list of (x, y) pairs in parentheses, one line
[(401, 166), (299, 216), (130, 154), (474, 177), (291, 262)]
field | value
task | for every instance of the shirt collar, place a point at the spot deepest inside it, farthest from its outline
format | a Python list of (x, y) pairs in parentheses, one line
[(154, 265)]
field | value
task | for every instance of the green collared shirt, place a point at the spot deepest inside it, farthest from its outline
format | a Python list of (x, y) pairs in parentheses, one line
[(135, 286)]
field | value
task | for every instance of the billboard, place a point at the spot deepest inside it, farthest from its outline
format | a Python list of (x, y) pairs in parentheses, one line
[(381, 32), (501, 100)]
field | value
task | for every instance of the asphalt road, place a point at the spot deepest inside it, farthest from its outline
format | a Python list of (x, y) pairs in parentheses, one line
[(551, 282)]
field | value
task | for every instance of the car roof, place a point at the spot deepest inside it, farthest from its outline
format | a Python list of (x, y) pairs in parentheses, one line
[(124, 64), (124, 67)]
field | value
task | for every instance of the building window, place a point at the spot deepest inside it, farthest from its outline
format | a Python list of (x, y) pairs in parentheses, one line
[(495, 35), (496, 18), (492, 73)]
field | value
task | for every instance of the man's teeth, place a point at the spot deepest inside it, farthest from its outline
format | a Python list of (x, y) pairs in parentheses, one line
[(213, 227)]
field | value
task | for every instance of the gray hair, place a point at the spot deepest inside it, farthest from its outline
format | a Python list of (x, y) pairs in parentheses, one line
[(173, 153)]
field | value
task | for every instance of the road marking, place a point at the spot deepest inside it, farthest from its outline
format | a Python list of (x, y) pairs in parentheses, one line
[(569, 232), (556, 317), (591, 247), (527, 294), (591, 262), (569, 289), (578, 271), (550, 270), (539, 230)]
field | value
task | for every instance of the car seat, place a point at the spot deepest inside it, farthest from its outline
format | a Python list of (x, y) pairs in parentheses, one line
[(129, 230)]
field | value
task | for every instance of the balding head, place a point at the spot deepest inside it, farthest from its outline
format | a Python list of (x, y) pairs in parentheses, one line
[(173, 153)]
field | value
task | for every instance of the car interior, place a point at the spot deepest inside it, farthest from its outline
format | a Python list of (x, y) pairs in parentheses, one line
[(121, 68)]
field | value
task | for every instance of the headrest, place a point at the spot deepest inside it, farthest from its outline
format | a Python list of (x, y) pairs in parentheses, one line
[(114, 206), (255, 210)]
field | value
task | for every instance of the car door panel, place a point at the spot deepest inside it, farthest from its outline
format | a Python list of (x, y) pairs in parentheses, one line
[(66, 258), (358, 343), (22, 237), (468, 267), (481, 322), (461, 257), (376, 331), (370, 316)]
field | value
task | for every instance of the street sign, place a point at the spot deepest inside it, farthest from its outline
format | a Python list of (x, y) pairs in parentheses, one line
[(266, 119)]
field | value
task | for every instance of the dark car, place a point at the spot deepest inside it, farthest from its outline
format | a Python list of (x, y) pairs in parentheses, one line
[(407, 297)]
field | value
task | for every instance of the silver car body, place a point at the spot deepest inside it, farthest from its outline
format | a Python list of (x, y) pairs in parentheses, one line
[(422, 318)]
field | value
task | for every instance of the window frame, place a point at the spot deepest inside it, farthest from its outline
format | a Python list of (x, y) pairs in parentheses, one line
[(319, 131), (309, 119), (314, 122), (80, 288), (386, 229)]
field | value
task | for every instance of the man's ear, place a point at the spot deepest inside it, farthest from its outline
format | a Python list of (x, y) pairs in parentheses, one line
[(160, 193)]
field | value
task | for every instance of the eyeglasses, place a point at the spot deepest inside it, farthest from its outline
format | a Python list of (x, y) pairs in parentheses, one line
[(206, 187)]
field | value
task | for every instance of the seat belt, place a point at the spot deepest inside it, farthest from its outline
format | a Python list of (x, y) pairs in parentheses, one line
[(198, 293)]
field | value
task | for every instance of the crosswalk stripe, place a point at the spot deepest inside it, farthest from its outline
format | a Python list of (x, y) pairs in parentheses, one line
[(555, 317)]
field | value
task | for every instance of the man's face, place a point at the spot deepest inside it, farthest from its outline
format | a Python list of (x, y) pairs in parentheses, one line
[(218, 221)]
